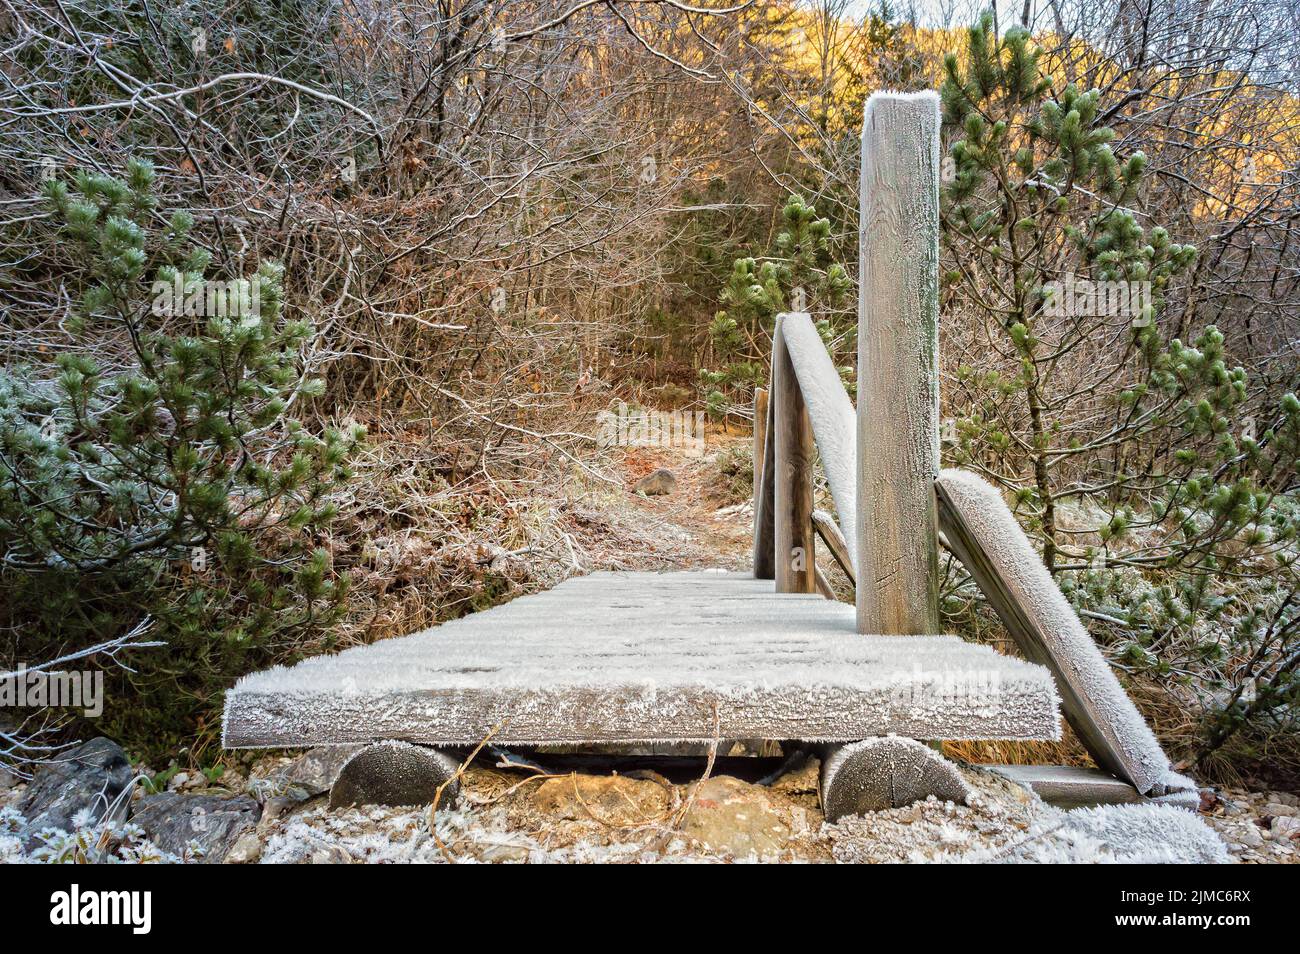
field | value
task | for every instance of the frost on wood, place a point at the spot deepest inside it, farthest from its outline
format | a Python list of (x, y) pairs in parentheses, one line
[(792, 486), (898, 377), (1105, 718), (394, 774), (647, 657), (887, 772), (1071, 786), (833, 420)]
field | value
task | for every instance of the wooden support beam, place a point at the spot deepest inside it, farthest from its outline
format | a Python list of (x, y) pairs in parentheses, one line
[(983, 534), (823, 585), (882, 773), (829, 531), (792, 473), (397, 773), (898, 373), (1070, 786), (764, 540)]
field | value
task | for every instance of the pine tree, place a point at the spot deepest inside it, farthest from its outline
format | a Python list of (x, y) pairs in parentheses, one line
[(173, 485), (798, 275), (1083, 398)]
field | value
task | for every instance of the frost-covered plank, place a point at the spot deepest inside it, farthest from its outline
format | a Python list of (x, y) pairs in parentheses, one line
[(985, 536), (834, 422), (646, 658), (898, 376), (792, 473)]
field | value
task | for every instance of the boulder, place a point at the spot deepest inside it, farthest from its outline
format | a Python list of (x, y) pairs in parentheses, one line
[(736, 818), (89, 778), (656, 484), (213, 823), (396, 773)]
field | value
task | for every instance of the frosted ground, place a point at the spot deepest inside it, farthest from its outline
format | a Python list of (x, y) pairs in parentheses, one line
[(582, 818), (515, 817)]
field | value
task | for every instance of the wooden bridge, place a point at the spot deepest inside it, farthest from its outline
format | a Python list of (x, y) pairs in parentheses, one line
[(704, 656)]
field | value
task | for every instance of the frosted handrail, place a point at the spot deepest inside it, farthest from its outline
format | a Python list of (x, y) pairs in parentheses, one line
[(833, 419)]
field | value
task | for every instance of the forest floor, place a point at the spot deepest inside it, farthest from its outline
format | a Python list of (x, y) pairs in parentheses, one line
[(511, 815)]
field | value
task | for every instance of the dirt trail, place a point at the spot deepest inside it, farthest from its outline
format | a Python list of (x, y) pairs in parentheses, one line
[(702, 523)]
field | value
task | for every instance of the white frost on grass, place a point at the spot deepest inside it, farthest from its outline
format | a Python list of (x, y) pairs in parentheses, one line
[(468, 836), (107, 842), (1110, 834)]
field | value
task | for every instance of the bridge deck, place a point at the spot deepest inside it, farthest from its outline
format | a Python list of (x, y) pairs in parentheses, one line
[(647, 657)]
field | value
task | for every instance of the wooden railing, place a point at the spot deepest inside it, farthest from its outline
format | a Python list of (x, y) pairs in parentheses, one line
[(882, 466), (882, 461)]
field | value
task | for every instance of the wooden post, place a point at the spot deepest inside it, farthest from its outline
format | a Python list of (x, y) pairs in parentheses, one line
[(792, 474), (898, 374), (764, 541)]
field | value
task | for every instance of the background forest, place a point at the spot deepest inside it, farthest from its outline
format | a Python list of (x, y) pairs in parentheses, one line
[(472, 225)]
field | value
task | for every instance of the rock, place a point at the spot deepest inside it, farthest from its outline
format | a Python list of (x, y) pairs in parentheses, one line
[(333, 855), (732, 816), (1280, 808), (656, 483), (316, 771), (396, 773), (800, 825), (1249, 836), (214, 823), (275, 808), (610, 799), (196, 782), (246, 851), (90, 777), (504, 855), (1284, 827), (7, 779), (1286, 798)]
